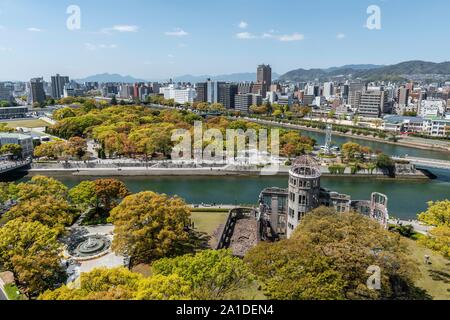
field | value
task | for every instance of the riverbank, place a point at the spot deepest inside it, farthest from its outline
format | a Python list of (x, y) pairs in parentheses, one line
[(412, 143), (213, 172)]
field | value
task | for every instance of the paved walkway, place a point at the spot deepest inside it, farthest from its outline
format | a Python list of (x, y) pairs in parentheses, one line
[(2, 295)]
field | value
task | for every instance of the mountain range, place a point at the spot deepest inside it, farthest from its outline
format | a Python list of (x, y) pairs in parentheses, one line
[(394, 72), (369, 72), (233, 77)]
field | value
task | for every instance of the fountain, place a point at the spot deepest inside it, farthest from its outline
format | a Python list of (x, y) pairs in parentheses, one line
[(90, 247)]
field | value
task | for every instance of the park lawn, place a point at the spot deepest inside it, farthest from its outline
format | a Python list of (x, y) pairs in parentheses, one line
[(434, 278), (208, 222), (31, 123), (12, 292)]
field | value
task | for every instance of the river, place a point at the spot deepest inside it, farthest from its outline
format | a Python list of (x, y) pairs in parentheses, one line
[(406, 198), (387, 148)]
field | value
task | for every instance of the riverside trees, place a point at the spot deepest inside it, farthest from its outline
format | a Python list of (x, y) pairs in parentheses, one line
[(138, 132)]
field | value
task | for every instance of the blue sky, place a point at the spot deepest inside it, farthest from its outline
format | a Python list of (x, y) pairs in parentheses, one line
[(155, 39)]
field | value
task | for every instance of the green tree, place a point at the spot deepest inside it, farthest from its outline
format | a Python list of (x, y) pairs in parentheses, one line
[(40, 186), (121, 284), (334, 251), (84, 195), (30, 250), (48, 210), (212, 274), (14, 149), (149, 225), (385, 163), (438, 216), (109, 192), (76, 147), (438, 213)]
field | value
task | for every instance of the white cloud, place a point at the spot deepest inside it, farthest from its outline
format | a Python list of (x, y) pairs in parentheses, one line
[(125, 28), (120, 28), (177, 32), (292, 37), (171, 56), (93, 47), (340, 36), (246, 35), (270, 35), (243, 25), (33, 29)]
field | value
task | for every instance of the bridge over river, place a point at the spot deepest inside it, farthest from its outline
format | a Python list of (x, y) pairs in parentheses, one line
[(431, 163), (7, 166)]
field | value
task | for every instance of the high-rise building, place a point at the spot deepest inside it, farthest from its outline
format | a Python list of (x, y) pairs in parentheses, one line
[(354, 99), (312, 90), (373, 104), (227, 92), (213, 91), (202, 92), (242, 102), (328, 89), (6, 92), (37, 93), (403, 96), (58, 83), (264, 78)]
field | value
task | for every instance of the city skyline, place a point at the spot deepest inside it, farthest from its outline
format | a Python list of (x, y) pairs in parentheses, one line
[(123, 38)]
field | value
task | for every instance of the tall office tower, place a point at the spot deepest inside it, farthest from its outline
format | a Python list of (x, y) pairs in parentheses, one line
[(312, 90), (373, 104), (356, 86), (345, 92), (354, 99), (264, 78), (304, 191), (403, 96), (58, 83), (227, 92), (202, 92), (6, 92), (328, 89), (37, 93)]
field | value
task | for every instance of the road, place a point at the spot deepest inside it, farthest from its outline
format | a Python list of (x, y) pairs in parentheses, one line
[(2, 295)]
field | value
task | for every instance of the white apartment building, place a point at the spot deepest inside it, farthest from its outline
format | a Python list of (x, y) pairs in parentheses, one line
[(432, 108), (437, 127), (180, 96)]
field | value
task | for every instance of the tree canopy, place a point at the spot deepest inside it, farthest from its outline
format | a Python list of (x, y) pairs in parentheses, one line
[(328, 258), (149, 225), (212, 274), (438, 216), (31, 251)]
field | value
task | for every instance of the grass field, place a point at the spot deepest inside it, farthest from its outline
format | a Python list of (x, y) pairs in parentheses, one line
[(12, 292), (434, 278), (208, 222), (31, 123)]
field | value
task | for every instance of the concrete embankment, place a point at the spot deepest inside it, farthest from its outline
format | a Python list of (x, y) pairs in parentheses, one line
[(168, 172)]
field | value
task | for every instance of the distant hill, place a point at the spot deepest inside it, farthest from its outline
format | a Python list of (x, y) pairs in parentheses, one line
[(107, 77), (233, 77), (370, 72)]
